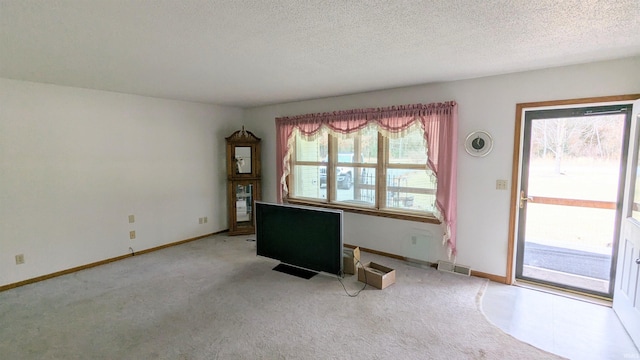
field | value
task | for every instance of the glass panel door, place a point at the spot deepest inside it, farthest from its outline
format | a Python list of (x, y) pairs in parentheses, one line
[(570, 196), (244, 203)]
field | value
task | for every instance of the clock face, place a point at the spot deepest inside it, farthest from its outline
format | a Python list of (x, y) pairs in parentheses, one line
[(478, 143)]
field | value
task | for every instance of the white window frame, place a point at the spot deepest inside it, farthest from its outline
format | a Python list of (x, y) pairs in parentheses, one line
[(380, 207)]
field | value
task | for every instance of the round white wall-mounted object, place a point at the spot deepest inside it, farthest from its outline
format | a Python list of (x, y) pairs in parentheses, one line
[(478, 143)]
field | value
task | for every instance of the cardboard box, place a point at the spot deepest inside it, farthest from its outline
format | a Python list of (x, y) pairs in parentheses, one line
[(377, 275), (350, 260)]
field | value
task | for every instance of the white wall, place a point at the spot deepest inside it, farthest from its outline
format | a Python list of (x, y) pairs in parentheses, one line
[(485, 103), (74, 163)]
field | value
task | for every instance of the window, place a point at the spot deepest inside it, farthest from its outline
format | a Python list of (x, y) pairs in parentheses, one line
[(374, 161), (354, 162)]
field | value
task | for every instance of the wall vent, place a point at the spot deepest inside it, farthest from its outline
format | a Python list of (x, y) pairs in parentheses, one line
[(454, 268)]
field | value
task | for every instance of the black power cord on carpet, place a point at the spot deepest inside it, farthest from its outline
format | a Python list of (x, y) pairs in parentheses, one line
[(341, 276)]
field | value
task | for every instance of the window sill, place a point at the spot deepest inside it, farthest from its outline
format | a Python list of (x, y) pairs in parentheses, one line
[(371, 212)]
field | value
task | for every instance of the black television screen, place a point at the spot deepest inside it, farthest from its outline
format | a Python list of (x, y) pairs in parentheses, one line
[(302, 236)]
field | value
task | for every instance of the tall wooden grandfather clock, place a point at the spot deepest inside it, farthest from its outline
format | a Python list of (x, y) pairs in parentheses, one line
[(243, 181)]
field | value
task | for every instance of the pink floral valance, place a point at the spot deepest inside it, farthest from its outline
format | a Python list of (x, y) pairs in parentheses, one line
[(439, 122)]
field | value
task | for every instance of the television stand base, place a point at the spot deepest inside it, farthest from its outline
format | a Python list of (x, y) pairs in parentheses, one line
[(295, 271)]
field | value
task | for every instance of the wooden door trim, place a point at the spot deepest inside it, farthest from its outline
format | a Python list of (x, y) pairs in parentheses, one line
[(515, 173)]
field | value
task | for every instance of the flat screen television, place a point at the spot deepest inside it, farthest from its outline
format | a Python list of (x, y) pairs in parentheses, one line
[(302, 236)]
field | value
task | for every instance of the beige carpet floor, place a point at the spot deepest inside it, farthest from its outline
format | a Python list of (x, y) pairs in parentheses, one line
[(215, 299)]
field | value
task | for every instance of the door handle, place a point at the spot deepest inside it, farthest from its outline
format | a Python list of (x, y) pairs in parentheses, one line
[(638, 261), (523, 198)]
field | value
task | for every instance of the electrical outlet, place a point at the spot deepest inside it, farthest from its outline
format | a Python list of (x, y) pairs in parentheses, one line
[(19, 259), (132, 234), (414, 240), (132, 219), (200, 220), (206, 220), (501, 184)]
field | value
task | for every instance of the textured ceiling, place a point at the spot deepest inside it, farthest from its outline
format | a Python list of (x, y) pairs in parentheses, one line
[(248, 53)]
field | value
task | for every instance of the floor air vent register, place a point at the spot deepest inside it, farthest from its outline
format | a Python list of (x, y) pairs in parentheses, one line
[(454, 268)]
